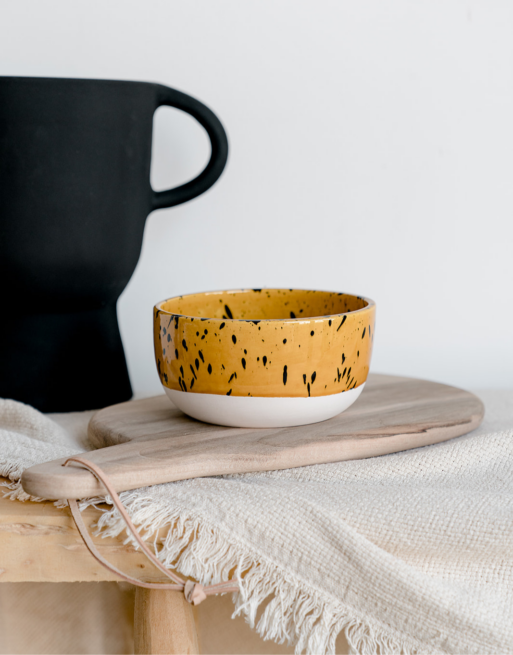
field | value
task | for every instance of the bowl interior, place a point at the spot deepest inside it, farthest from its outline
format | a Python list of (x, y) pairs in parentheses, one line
[(263, 304)]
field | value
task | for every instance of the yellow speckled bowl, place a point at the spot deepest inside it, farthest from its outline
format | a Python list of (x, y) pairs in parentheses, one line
[(264, 357)]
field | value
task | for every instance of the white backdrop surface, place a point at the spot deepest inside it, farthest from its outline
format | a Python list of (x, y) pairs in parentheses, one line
[(371, 152)]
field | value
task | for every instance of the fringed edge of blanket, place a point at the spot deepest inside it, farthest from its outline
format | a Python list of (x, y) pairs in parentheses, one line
[(297, 614), (14, 489)]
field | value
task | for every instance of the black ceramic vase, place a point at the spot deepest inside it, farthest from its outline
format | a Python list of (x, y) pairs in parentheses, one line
[(74, 196)]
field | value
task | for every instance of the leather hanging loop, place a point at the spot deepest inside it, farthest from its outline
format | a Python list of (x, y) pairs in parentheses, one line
[(194, 592)]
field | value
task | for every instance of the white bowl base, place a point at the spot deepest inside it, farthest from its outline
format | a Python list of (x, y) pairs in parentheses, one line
[(259, 412)]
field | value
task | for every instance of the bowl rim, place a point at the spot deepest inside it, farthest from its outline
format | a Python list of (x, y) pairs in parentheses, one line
[(159, 310)]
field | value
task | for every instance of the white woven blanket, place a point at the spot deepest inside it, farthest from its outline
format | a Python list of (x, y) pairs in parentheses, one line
[(411, 552)]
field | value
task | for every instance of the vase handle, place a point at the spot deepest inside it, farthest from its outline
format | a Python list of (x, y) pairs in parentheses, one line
[(218, 140)]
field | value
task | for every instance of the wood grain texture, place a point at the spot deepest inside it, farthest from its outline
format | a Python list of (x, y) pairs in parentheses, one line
[(163, 623), (149, 441), (40, 543)]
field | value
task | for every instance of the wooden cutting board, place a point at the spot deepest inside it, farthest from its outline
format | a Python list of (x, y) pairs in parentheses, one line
[(146, 442)]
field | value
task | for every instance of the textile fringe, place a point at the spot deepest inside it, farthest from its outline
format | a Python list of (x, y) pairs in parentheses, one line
[(14, 488), (296, 615)]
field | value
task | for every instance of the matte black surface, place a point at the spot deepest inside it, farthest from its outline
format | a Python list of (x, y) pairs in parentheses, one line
[(74, 196)]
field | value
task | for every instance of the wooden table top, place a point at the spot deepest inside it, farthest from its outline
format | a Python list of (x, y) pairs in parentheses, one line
[(39, 543)]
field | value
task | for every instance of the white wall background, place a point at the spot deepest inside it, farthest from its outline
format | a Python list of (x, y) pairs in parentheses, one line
[(371, 152)]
